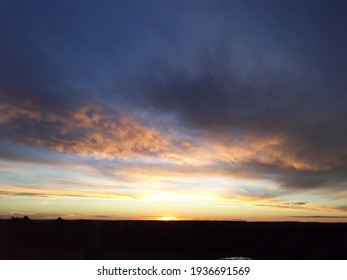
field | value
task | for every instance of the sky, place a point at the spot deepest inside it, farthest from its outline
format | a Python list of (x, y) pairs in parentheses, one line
[(174, 110)]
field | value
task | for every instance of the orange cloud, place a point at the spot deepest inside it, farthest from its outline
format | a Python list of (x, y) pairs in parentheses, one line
[(106, 135), (271, 149), (9, 112), (273, 203)]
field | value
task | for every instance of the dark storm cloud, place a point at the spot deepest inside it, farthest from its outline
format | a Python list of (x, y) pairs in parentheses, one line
[(289, 177), (295, 91), (293, 87), (275, 105)]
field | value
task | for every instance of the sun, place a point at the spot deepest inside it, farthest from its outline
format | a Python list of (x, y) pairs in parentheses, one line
[(166, 218)]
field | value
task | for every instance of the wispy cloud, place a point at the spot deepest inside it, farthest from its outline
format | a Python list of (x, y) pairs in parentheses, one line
[(320, 217), (46, 192)]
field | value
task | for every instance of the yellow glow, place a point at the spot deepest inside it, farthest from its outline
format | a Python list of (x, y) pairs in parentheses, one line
[(167, 218)]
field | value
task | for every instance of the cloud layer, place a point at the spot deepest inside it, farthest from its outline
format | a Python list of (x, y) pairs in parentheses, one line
[(214, 92)]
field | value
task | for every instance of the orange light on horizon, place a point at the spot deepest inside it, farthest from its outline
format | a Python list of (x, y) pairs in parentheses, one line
[(167, 218)]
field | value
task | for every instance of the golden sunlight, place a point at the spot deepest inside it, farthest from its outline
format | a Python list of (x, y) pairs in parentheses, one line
[(167, 218)]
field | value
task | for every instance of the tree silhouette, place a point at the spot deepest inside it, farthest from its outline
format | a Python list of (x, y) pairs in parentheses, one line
[(26, 219)]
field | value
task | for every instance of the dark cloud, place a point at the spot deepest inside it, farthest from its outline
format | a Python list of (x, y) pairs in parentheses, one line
[(298, 95), (14, 191), (309, 118), (292, 178), (343, 208), (224, 71), (26, 194), (298, 203)]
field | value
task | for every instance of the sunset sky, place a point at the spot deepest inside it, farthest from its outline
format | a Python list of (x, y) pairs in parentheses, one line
[(163, 110)]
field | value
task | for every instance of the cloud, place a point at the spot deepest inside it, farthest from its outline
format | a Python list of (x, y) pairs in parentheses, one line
[(26, 194), (10, 112), (301, 207), (13, 191), (298, 203), (102, 216), (114, 139), (89, 130), (171, 93), (343, 208), (287, 116), (320, 217)]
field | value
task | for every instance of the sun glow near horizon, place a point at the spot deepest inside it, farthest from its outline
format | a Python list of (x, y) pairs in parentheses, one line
[(168, 218)]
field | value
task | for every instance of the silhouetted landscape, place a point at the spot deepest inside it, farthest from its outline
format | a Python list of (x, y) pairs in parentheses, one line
[(23, 238)]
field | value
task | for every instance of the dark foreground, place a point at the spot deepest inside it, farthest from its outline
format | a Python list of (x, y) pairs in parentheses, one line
[(59, 239)]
